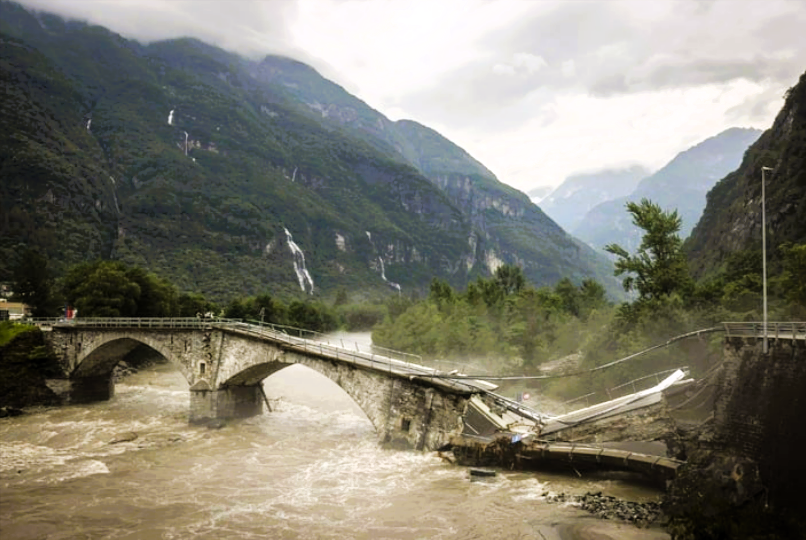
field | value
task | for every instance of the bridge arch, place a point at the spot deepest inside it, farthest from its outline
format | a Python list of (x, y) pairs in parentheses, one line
[(224, 364), (99, 356), (366, 390)]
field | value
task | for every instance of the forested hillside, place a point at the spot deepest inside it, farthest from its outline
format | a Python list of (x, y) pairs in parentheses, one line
[(731, 222), (224, 176)]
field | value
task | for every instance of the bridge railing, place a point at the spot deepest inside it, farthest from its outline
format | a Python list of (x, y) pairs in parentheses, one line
[(335, 341), (307, 340), (350, 352), (133, 322), (775, 329), (629, 387)]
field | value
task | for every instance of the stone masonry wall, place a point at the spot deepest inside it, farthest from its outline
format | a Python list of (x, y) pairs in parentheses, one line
[(760, 412), (406, 413), (224, 370)]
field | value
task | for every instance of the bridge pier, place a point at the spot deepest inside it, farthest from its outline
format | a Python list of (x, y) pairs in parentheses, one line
[(226, 403), (91, 389), (82, 389)]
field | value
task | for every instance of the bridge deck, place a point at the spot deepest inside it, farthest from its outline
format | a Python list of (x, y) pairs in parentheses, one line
[(369, 359), (536, 454), (402, 364), (610, 457), (366, 359)]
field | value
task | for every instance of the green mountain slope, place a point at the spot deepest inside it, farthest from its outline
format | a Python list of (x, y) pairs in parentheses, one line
[(193, 162), (506, 227), (731, 220)]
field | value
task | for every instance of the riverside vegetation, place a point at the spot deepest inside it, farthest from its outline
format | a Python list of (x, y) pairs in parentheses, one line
[(502, 324)]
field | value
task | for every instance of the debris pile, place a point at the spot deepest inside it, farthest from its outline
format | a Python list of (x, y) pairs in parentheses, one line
[(607, 507)]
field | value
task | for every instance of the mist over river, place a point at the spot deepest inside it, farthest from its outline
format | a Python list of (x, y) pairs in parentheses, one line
[(312, 468)]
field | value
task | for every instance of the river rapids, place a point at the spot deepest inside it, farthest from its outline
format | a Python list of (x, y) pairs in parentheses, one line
[(310, 469)]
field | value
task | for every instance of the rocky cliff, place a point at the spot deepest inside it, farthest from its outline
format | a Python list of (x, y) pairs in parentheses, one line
[(731, 220)]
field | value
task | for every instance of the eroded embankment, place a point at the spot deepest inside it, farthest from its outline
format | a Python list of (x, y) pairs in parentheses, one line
[(25, 364)]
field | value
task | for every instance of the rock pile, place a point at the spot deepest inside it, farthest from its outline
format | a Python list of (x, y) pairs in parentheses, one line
[(607, 507)]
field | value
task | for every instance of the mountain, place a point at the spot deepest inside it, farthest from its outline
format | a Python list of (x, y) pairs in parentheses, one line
[(505, 225), (680, 185), (539, 193), (231, 177), (572, 199), (731, 220)]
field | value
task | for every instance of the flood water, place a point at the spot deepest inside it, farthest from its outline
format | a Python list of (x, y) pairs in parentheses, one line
[(311, 468)]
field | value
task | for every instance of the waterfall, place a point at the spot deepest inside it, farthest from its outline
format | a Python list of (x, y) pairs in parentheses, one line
[(392, 284), (115, 194), (171, 118), (89, 121), (303, 276), (186, 143), (294, 176)]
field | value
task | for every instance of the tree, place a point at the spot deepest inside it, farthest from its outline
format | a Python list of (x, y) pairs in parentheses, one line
[(33, 284), (592, 297), (441, 293), (274, 311), (659, 267), (102, 290), (341, 297), (113, 289), (190, 305), (236, 309), (569, 294), (793, 276), (157, 298), (510, 278)]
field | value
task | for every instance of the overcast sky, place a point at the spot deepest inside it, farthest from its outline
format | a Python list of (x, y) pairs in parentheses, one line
[(534, 89)]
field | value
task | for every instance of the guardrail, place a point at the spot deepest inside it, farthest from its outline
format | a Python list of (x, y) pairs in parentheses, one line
[(397, 362), (326, 338), (358, 357), (133, 322), (612, 393), (774, 330)]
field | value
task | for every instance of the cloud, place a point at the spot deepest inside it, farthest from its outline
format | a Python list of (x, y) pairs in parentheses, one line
[(250, 27), (521, 63)]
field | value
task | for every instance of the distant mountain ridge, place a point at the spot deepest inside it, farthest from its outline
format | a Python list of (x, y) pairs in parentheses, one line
[(731, 220), (568, 204), (539, 193), (680, 185), (214, 171)]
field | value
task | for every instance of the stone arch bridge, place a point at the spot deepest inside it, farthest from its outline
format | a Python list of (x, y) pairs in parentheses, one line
[(757, 398), (225, 362)]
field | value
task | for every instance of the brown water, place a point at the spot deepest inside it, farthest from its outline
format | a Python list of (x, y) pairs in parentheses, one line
[(312, 468)]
